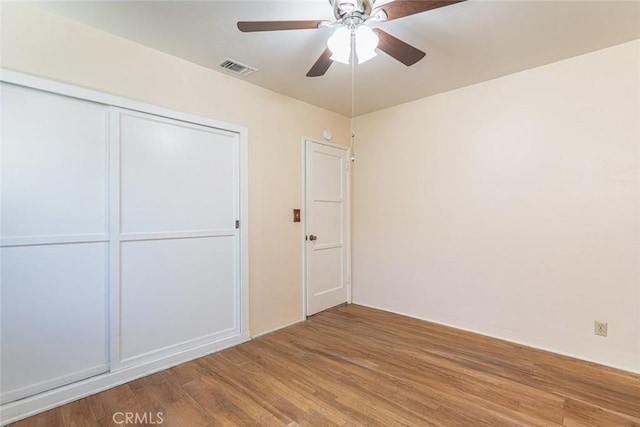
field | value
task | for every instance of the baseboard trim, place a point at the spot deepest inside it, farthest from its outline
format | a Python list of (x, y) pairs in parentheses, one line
[(33, 389), (20, 409), (486, 334)]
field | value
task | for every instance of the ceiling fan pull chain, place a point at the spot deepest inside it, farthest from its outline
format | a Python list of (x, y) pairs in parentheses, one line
[(353, 94)]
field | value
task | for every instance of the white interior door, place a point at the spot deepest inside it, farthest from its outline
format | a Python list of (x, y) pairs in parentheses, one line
[(327, 210), (54, 253)]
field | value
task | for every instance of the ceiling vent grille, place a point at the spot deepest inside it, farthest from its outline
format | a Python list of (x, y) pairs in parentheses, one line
[(236, 67)]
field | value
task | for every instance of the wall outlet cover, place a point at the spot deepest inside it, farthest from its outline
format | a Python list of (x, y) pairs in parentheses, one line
[(600, 328)]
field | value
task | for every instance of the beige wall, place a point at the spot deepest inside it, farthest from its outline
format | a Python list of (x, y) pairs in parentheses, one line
[(510, 207), (42, 44)]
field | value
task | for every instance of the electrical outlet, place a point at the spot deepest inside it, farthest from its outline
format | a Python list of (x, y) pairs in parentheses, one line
[(600, 328)]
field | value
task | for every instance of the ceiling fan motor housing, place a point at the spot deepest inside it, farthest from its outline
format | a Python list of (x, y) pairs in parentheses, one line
[(342, 8)]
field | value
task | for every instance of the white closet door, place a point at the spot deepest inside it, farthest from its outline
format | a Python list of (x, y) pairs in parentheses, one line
[(54, 241), (178, 244)]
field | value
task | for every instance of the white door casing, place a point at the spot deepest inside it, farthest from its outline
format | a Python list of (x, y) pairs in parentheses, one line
[(326, 226)]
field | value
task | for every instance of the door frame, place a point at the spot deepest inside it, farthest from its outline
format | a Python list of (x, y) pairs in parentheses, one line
[(303, 218)]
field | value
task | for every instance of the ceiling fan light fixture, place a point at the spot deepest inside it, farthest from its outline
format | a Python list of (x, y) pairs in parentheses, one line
[(366, 43), (350, 15), (340, 45)]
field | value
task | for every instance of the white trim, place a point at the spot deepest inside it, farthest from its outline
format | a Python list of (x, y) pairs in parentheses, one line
[(32, 389), (27, 407), (60, 239), (277, 328), (172, 120), (321, 247), (498, 337), (329, 144), (303, 222), (159, 353), (329, 200), (348, 230), (347, 243), (167, 235), (114, 241), (244, 229), (47, 85)]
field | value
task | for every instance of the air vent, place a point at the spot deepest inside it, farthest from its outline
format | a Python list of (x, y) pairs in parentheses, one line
[(236, 67)]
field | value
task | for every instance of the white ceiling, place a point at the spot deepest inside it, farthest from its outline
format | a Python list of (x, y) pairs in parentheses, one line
[(466, 43)]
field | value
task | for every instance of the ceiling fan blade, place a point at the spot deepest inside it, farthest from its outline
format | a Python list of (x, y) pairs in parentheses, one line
[(400, 50), (322, 64), (251, 26), (402, 8)]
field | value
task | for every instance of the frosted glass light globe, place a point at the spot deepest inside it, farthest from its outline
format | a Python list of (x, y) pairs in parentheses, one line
[(366, 43), (340, 45)]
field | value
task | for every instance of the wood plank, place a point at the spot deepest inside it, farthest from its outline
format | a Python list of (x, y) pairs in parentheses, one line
[(353, 365)]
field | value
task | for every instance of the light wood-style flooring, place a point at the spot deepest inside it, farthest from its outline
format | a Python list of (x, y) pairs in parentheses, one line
[(353, 365)]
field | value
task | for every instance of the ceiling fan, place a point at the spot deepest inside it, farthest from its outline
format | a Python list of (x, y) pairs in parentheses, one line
[(353, 34)]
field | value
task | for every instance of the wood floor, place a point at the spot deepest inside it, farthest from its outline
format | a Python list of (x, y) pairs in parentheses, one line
[(357, 366)]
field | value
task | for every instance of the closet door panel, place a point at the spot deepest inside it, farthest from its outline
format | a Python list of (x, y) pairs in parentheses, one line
[(175, 176), (54, 316), (177, 292), (178, 243), (53, 207), (54, 165)]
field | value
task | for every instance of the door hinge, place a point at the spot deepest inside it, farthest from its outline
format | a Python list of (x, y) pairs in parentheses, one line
[(237, 223)]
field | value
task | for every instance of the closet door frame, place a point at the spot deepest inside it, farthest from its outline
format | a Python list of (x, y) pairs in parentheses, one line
[(14, 411)]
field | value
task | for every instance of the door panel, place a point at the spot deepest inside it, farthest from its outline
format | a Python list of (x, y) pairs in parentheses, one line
[(179, 249), (54, 314), (54, 254), (327, 168), (327, 224), (171, 296), (327, 270), (326, 221), (54, 165), (176, 176)]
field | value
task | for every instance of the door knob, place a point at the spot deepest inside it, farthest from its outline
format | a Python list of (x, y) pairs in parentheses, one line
[(313, 238)]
